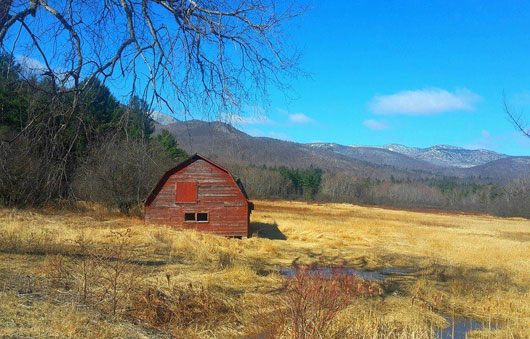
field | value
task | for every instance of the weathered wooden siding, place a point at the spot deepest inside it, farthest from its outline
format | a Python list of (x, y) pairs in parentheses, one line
[(218, 195)]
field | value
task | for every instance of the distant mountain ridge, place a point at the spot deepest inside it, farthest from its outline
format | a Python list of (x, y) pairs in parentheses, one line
[(162, 118), (447, 155), (439, 155), (227, 144), (375, 155)]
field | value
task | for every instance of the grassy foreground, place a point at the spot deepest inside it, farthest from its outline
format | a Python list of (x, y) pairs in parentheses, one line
[(92, 273)]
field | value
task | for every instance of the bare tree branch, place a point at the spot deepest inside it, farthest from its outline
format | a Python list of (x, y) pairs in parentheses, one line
[(204, 58), (517, 119), (209, 55)]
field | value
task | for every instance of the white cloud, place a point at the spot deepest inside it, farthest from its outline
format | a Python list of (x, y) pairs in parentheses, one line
[(251, 115), (30, 64), (424, 102), (485, 133), (375, 125), (299, 118), (253, 120), (34, 66)]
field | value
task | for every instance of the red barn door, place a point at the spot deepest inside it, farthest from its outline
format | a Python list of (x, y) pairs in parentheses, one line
[(186, 192)]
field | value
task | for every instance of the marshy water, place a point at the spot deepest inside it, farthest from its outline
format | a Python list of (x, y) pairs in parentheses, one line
[(378, 275), (458, 327)]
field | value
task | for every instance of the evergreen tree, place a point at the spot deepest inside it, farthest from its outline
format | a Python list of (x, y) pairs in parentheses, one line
[(170, 145)]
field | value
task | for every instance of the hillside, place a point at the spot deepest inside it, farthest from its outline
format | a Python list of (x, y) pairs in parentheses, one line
[(225, 143), (374, 155), (447, 155), (511, 167)]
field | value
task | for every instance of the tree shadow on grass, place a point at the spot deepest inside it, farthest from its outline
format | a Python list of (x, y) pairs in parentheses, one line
[(267, 230)]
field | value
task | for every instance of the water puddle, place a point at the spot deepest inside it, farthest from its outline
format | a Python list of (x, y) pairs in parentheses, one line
[(396, 271), (460, 328), (377, 275)]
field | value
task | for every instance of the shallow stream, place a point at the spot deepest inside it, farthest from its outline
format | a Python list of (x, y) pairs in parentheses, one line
[(377, 275), (457, 329), (462, 327)]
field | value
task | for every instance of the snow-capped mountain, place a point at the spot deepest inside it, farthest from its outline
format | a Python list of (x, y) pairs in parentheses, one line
[(447, 155), (224, 142), (162, 118)]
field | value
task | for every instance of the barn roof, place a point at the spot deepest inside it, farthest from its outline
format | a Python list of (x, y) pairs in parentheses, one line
[(183, 164)]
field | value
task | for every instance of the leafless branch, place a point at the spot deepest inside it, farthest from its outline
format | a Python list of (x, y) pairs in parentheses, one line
[(187, 55), (517, 119)]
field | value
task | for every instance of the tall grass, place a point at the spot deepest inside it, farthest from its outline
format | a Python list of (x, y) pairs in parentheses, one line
[(133, 278)]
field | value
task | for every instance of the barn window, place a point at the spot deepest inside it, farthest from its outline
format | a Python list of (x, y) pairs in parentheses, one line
[(202, 217), (187, 192), (198, 217)]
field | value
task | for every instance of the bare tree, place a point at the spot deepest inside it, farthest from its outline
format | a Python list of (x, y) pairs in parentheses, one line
[(517, 119), (184, 55), (209, 57)]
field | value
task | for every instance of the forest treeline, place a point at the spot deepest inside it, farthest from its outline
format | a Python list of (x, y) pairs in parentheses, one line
[(106, 151), (507, 198), (93, 149)]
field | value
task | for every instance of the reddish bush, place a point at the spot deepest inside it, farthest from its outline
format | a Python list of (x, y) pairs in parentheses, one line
[(314, 297)]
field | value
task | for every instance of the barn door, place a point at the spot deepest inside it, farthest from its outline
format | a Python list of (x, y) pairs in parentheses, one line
[(186, 192)]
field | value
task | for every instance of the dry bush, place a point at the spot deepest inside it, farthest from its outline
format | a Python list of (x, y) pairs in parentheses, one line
[(99, 276), (27, 176), (178, 307), (57, 271), (121, 174), (117, 278), (313, 298), (86, 269)]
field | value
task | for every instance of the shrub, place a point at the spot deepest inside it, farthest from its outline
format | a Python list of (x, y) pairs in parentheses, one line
[(121, 174), (313, 298)]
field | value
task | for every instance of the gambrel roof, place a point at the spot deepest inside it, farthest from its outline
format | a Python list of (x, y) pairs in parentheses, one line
[(184, 164)]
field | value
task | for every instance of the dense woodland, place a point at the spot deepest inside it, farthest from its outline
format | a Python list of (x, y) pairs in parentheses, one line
[(102, 150), (504, 198), (107, 151)]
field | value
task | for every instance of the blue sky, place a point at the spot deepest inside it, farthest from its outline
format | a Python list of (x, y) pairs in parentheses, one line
[(417, 73)]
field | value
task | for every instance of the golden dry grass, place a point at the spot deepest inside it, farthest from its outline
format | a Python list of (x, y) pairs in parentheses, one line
[(477, 264)]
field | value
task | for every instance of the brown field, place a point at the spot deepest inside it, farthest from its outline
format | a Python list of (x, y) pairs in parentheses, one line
[(80, 273)]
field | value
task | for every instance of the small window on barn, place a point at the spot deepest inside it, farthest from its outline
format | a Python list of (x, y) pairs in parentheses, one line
[(202, 217), (189, 216), (187, 192)]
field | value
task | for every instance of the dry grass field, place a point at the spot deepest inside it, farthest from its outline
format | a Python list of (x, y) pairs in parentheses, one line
[(92, 273)]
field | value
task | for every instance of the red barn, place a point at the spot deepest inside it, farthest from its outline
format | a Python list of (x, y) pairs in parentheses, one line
[(199, 194)]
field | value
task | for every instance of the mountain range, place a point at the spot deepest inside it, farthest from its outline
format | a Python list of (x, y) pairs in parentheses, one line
[(227, 144), (162, 118), (446, 155), (439, 155)]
